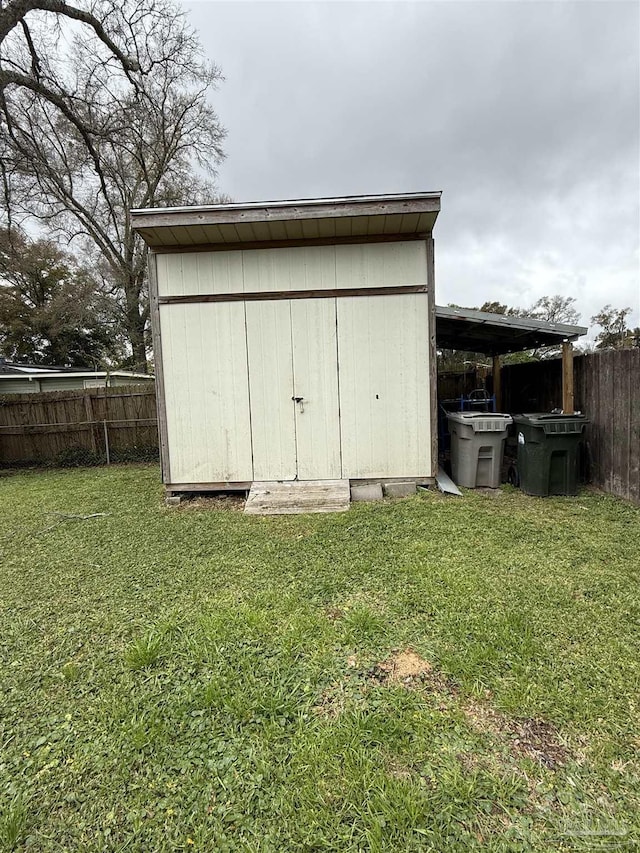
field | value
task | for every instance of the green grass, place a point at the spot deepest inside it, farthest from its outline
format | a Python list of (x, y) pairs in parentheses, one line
[(194, 679)]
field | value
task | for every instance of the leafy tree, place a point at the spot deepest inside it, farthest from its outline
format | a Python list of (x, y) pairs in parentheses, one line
[(615, 334), (555, 309), (499, 308), (119, 134), (50, 310)]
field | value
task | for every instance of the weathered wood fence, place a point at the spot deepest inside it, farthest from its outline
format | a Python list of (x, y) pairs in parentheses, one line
[(87, 426), (81, 427), (453, 384), (607, 390)]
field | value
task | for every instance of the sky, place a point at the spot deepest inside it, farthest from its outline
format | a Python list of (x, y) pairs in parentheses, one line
[(525, 114)]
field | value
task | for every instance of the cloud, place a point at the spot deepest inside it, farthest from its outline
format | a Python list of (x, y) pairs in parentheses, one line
[(526, 115)]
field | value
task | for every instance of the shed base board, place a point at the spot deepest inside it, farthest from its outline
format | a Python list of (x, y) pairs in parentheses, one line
[(188, 488), (298, 496), (419, 481), (247, 486)]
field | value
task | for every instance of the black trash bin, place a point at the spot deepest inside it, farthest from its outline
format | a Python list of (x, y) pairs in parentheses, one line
[(548, 452)]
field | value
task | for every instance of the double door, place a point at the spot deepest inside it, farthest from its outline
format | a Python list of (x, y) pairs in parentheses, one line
[(292, 355), (279, 389)]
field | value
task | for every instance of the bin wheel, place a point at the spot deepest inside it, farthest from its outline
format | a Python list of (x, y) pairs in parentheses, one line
[(513, 477)]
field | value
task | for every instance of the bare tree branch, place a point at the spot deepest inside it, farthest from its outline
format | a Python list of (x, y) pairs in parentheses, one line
[(15, 11), (84, 139)]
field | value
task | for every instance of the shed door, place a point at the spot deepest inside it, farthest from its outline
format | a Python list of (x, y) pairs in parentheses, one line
[(292, 352), (315, 380), (207, 398), (384, 386)]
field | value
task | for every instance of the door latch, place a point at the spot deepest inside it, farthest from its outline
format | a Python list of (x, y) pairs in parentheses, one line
[(300, 402)]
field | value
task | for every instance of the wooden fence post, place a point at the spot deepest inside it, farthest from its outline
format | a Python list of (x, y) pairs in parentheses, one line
[(567, 378), (106, 442), (88, 407), (497, 385)]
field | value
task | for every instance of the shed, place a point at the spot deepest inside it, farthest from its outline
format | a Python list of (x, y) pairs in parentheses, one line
[(294, 340), (18, 378)]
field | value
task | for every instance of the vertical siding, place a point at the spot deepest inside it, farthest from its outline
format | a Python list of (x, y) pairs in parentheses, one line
[(381, 264), (361, 365), (205, 364), (315, 364), (19, 386), (298, 268), (383, 347), (62, 383), (271, 389), (198, 273)]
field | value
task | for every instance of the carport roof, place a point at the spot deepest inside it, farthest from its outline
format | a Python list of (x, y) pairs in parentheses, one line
[(480, 331)]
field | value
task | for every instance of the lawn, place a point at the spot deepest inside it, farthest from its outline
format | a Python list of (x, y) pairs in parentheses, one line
[(422, 674)]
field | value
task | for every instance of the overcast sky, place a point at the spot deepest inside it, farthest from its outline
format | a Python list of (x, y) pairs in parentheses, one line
[(525, 114)]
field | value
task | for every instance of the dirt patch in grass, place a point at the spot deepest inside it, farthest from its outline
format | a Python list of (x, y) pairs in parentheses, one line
[(334, 614), (410, 670), (218, 503), (532, 738), (332, 701), (405, 667), (399, 770)]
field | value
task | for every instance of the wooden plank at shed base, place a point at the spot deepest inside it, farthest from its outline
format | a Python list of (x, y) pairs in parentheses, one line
[(298, 496)]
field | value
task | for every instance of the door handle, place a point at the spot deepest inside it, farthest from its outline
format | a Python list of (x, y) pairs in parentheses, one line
[(300, 402)]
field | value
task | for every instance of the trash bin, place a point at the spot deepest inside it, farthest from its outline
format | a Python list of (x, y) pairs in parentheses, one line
[(477, 445), (548, 452)]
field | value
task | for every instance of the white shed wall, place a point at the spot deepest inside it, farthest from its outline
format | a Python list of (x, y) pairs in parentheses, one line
[(361, 365), (295, 268), (383, 343), (206, 392)]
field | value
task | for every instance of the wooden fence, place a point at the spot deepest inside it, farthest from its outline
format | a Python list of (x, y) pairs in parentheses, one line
[(607, 391), (454, 384), (117, 424), (81, 427)]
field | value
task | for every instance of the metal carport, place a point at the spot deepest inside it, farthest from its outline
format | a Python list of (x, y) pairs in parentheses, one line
[(497, 334)]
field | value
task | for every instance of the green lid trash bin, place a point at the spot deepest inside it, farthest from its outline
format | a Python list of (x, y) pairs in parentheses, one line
[(477, 446), (548, 452)]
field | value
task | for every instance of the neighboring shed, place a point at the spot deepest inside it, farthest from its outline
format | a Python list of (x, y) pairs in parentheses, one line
[(294, 340), (16, 378)]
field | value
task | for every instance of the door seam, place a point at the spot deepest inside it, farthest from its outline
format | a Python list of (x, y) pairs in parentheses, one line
[(246, 353), (293, 392)]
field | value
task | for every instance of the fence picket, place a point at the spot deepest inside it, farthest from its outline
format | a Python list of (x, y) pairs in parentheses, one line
[(608, 392), (47, 427)]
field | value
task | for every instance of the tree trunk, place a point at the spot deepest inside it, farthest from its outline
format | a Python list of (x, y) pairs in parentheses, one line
[(135, 319)]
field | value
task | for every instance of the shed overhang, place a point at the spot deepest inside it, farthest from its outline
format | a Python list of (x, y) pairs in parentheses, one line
[(495, 334), (221, 226)]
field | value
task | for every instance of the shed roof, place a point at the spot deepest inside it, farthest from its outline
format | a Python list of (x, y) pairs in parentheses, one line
[(257, 222), (481, 331)]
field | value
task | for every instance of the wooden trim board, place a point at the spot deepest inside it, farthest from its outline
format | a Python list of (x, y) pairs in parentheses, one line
[(298, 496), (156, 337), (568, 405), (433, 354), (239, 486), (228, 215), (264, 295)]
